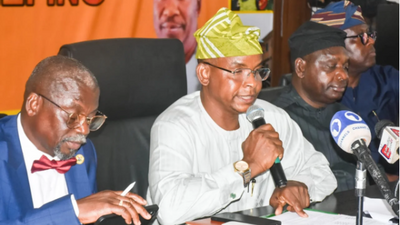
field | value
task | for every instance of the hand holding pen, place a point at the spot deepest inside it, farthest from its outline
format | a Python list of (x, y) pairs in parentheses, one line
[(127, 189), (128, 204), (123, 203)]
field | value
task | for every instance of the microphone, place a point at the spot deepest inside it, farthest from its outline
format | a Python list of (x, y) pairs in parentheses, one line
[(255, 115), (347, 127), (352, 135), (389, 145)]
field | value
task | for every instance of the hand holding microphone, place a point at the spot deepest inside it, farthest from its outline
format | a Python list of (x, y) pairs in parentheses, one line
[(263, 148)]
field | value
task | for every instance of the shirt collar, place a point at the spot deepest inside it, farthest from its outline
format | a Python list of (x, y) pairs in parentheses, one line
[(29, 150)]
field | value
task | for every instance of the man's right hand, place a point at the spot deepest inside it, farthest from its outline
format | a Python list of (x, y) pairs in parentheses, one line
[(261, 148), (106, 202)]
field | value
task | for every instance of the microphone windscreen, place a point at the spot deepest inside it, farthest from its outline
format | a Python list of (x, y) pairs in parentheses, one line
[(347, 127), (254, 112), (380, 126)]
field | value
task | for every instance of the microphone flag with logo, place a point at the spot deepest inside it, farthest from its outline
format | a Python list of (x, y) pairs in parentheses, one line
[(346, 126), (352, 135), (389, 145)]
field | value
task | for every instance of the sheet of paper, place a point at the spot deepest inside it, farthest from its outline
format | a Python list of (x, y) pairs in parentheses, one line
[(318, 218), (378, 208), (235, 223)]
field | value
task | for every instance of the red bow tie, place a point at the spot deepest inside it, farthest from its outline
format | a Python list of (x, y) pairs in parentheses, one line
[(44, 164)]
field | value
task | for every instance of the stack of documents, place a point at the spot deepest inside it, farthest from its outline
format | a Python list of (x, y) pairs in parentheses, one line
[(318, 218), (378, 209)]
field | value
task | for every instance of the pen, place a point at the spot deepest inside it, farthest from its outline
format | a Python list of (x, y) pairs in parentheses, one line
[(128, 189)]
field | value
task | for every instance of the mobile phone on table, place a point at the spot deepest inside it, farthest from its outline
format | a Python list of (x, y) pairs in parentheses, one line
[(113, 219)]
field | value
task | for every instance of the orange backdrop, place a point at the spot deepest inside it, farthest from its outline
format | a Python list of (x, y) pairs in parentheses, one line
[(30, 33)]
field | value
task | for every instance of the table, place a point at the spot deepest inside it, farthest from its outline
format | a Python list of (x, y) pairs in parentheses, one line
[(344, 202)]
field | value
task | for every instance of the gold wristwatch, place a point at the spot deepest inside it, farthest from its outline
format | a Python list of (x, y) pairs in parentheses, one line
[(243, 169)]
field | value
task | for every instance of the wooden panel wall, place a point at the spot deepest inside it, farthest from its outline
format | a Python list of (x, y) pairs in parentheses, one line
[(288, 16)]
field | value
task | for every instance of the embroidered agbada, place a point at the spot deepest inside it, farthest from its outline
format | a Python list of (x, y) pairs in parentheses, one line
[(191, 172)]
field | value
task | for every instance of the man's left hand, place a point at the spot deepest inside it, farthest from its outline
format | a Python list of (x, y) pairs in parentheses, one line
[(295, 195)]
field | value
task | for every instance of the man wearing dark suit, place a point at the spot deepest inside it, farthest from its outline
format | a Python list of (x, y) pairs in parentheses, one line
[(47, 167)]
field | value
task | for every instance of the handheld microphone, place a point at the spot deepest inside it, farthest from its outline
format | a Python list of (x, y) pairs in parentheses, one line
[(352, 135), (389, 145), (255, 115)]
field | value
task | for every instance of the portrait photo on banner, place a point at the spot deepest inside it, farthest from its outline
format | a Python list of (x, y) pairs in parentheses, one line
[(31, 38)]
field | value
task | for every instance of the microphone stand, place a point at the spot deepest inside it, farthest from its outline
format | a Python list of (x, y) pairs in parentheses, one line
[(361, 177), (362, 152)]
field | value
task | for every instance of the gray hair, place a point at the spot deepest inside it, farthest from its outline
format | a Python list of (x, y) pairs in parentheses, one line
[(50, 74)]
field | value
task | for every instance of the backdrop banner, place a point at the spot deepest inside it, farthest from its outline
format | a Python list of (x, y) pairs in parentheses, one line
[(31, 30)]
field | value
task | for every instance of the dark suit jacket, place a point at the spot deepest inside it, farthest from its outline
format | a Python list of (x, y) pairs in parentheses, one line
[(16, 205)]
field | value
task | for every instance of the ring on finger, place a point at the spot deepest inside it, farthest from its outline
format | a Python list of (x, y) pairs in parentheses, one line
[(121, 202)]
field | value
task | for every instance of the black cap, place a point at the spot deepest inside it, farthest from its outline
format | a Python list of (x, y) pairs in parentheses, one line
[(311, 37)]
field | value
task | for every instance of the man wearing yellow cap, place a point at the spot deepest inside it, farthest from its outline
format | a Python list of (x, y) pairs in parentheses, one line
[(205, 157)]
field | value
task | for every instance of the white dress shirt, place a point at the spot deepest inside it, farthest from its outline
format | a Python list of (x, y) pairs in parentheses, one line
[(46, 185), (191, 173)]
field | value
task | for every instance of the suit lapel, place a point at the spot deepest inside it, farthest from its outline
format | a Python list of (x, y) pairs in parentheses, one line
[(77, 179), (17, 169)]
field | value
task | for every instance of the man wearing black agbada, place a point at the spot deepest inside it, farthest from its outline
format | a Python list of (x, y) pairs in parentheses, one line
[(320, 64)]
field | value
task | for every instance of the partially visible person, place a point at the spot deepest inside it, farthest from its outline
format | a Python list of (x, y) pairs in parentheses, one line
[(205, 157), (248, 5), (178, 19), (320, 63), (251, 5), (47, 166), (373, 90)]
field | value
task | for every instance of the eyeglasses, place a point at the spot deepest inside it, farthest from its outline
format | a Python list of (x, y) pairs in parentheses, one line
[(364, 37), (242, 73), (76, 120)]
